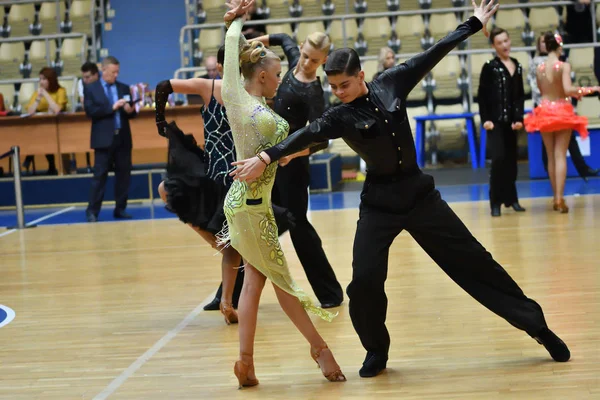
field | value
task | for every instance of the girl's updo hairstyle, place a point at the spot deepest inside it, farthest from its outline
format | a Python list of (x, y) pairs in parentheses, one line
[(552, 41), (253, 56)]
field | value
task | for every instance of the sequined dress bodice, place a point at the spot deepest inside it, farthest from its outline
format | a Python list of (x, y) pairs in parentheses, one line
[(219, 148)]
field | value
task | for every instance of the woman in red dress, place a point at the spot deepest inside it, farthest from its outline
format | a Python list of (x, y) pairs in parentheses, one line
[(555, 117)]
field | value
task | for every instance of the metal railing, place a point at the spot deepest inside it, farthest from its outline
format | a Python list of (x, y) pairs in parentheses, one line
[(15, 2), (73, 96), (16, 157), (31, 38), (93, 26)]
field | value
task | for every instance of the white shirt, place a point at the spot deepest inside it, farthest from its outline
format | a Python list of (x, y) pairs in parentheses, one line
[(80, 88)]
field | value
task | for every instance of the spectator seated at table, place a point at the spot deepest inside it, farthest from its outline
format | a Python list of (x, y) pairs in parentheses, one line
[(50, 97)]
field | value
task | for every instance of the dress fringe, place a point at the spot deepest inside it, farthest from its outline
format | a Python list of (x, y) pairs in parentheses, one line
[(223, 239)]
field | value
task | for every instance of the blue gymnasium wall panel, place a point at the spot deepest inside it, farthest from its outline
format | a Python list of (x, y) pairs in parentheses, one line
[(145, 38), (73, 189)]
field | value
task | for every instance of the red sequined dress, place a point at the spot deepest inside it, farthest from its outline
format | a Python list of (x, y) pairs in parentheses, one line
[(555, 115)]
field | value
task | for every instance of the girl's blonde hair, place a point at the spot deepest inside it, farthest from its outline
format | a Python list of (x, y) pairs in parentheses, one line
[(253, 56)]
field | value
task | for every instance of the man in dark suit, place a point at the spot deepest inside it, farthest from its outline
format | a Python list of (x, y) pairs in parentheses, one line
[(107, 103)]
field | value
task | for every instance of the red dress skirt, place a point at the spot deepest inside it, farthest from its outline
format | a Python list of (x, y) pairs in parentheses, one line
[(552, 116)]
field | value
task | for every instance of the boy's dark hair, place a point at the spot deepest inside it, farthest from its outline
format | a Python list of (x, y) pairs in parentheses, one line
[(221, 55), (90, 67), (343, 61), (495, 32)]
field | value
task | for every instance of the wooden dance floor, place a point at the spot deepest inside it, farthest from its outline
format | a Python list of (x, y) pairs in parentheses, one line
[(114, 310)]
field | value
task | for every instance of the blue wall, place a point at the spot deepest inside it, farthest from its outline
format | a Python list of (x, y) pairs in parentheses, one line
[(145, 38)]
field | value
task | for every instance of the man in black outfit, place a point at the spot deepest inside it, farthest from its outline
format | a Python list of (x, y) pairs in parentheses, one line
[(501, 100), (107, 102), (397, 196)]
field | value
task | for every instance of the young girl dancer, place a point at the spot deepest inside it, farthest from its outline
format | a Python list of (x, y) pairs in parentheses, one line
[(579, 162), (251, 227), (299, 100), (555, 117)]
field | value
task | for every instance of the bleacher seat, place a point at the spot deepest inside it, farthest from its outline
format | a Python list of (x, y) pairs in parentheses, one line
[(72, 47), (210, 41), (376, 27), (215, 9), (510, 19), (49, 17), (279, 8), (582, 63), (80, 15), (221, 4), (410, 30), (20, 17), (309, 8), (442, 24), (336, 33), (588, 106), (451, 130), (11, 56), (8, 92), (377, 32), (340, 6), (25, 92), (71, 88), (543, 19), (377, 6), (37, 54), (70, 54), (441, 4), (446, 74)]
